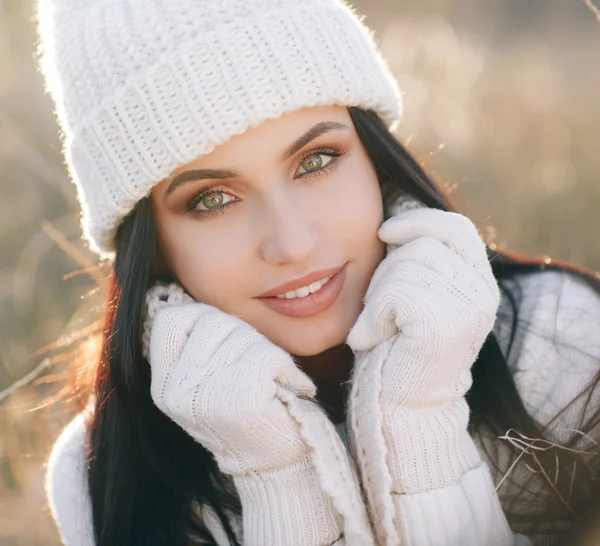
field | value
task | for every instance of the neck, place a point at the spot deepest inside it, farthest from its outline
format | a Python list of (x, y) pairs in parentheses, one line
[(330, 370)]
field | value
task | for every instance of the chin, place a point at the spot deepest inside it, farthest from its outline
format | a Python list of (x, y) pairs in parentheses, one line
[(314, 346)]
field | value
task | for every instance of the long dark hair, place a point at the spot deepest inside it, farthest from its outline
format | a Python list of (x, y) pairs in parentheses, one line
[(148, 478)]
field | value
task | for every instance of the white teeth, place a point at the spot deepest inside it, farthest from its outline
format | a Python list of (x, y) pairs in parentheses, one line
[(314, 287), (302, 292), (305, 290)]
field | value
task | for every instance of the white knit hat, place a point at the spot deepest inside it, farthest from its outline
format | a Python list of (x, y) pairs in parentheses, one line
[(143, 87)]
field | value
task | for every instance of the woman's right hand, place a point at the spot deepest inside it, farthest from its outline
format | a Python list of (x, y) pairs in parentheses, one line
[(223, 382)]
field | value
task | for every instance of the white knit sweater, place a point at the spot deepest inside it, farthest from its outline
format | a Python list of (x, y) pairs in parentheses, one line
[(556, 354)]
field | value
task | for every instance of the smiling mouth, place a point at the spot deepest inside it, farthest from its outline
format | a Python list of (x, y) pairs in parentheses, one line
[(307, 300), (302, 283)]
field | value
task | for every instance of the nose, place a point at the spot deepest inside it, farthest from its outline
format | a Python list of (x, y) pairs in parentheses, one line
[(291, 236)]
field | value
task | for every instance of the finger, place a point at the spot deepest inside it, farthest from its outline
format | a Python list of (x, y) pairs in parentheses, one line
[(425, 250), (454, 230), (185, 337), (271, 365), (377, 321), (170, 332), (289, 375), (434, 255), (366, 334), (215, 328), (469, 247), (397, 299), (399, 308), (215, 349)]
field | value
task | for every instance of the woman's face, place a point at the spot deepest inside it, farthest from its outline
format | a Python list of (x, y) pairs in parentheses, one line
[(273, 212)]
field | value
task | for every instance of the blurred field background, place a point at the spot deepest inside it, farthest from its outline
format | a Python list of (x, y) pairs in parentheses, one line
[(502, 101)]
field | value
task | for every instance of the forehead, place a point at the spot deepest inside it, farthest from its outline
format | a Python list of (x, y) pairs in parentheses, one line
[(272, 136)]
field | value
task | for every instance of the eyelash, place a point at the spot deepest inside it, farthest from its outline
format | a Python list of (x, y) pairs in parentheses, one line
[(334, 153)]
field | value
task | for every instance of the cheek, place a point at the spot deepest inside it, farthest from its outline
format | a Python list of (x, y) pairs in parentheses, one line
[(204, 264), (357, 209), (356, 223)]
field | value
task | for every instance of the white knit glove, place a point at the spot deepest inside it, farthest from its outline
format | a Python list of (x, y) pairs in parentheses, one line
[(433, 301), (428, 310), (220, 380), (245, 400)]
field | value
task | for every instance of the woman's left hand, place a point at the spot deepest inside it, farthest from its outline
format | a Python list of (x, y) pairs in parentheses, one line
[(428, 310), (430, 305)]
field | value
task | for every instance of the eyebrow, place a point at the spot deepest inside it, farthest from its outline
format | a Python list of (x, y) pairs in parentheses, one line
[(310, 135), (198, 174), (224, 174)]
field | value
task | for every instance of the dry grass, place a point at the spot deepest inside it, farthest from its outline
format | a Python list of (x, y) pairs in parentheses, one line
[(593, 8)]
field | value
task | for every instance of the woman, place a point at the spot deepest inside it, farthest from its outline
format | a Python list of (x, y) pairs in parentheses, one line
[(303, 343)]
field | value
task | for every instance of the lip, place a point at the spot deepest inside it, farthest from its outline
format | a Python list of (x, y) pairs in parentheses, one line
[(300, 282), (312, 304)]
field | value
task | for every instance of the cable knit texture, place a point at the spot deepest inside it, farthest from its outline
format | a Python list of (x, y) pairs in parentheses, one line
[(144, 87), (246, 401)]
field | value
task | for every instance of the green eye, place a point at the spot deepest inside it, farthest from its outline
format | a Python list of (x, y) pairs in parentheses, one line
[(314, 162), (213, 201)]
